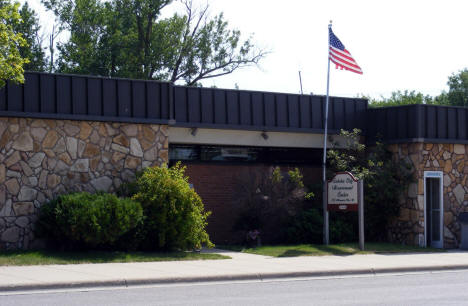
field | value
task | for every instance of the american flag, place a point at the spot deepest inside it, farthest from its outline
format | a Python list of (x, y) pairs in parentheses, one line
[(340, 56)]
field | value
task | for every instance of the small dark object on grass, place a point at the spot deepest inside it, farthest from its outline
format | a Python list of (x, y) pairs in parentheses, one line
[(253, 238)]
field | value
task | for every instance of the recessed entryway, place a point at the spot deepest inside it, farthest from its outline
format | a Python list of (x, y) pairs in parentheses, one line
[(433, 209)]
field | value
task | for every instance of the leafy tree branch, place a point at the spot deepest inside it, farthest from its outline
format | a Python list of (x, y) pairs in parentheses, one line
[(128, 38)]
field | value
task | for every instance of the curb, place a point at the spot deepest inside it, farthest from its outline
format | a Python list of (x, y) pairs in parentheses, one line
[(240, 277)]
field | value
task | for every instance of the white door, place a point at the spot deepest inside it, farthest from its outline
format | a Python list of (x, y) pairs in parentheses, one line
[(434, 209)]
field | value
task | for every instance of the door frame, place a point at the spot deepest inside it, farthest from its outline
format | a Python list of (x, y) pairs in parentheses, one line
[(440, 176)]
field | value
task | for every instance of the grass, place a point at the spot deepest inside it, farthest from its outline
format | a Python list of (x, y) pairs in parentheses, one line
[(25, 258), (334, 249)]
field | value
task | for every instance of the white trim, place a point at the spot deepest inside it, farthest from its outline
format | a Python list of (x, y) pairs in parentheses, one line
[(433, 174), (440, 176), (179, 135)]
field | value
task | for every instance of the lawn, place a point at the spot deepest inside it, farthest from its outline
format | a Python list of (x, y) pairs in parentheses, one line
[(25, 258), (333, 249)]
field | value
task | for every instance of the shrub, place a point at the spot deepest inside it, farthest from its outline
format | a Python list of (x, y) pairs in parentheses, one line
[(385, 179), (266, 201), (343, 227), (174, 213), (87, 220), (307, 227)]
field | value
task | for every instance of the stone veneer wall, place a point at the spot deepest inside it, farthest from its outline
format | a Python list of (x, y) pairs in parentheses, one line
[(40, 159), (452, 160)]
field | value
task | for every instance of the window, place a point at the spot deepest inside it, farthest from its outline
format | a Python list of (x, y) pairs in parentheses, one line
[(183, 153), (228, 154)]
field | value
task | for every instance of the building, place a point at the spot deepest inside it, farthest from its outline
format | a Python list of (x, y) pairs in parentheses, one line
[(66, 132)]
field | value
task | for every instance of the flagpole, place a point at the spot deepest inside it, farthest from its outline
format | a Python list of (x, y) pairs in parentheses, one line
[(326, 236)]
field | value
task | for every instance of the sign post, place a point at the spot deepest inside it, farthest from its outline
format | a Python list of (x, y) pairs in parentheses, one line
[(346, 193), (361, 215)]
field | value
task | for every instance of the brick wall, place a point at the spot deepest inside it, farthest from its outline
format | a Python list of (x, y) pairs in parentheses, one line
[(216, 184)]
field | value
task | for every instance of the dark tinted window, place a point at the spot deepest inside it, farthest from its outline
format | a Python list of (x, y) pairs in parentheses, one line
[(209, 153), (245, 154), (184, 153)]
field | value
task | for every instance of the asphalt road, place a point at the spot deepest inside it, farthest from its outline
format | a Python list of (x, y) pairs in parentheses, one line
[(444, 288)]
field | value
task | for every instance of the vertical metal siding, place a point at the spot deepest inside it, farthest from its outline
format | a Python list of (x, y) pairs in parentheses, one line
[(139, 99), (305, 111), (79, 96), (124, 98), (452, 123), (461, 123), (411, 122), (281, 110), (339, 115), (257, 109), (47, 90), (232, 102), (207, 106), (94, 97), (64, 96), (245, 108), (350, 114), (316, 109), (270, 110), (3, 98), (14, 98), (54, 95), (220, 107), (31, 103), (109, 97), (401, 122)]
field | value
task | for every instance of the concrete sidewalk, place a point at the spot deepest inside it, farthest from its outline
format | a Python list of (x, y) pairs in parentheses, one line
[(241, 267)]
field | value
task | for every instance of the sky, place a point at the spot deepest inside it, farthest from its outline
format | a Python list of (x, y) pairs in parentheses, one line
[(399, 44)]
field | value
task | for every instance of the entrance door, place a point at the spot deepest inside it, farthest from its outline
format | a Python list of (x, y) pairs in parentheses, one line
[(434, 208)]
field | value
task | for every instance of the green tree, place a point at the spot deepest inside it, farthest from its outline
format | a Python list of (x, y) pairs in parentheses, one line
[(11, 61), (385, 179), (128, 38), (30, 29), (458, 88), (399, 97), (457, 94), (208, 48)]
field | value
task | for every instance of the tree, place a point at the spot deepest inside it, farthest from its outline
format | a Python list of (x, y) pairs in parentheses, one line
[(406, 97), (128, 38), (29, 29), (84, 19), (11, 61), (208, 48), (456, 96), (385, 179), (458, 88)]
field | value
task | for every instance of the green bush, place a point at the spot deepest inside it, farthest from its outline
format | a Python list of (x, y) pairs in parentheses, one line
[(266, 201), (385, 180), (174, 213), (343, 227), (84, 220), (306, 227)]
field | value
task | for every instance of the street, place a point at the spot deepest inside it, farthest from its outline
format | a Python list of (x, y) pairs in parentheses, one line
[(443, 288)]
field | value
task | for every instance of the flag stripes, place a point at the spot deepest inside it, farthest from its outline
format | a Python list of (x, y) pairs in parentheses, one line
[(340, 56)]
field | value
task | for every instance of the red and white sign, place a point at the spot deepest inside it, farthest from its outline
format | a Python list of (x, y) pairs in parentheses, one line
[(342, 192)]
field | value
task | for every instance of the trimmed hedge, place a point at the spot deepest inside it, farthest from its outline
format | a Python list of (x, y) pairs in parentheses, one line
[(84, 220)]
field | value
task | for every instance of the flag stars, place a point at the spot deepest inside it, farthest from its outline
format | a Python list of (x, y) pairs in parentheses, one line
[(340, 56)]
